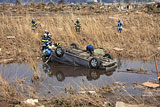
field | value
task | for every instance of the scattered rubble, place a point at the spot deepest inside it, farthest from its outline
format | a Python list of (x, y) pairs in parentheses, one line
[(133, 70), (151, 84), (31, 101), (11, 37), (122, 104)]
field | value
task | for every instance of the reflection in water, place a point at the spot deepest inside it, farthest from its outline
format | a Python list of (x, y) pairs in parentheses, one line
[(63, 71)]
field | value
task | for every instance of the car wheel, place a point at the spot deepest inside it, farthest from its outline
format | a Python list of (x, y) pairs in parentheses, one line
[(59, 52), (108, 56), (74, 45), (94, 63)]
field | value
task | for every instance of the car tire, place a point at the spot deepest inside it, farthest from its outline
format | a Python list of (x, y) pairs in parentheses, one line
[(94, 63), (108, 56), (74, 45), (59, 52)]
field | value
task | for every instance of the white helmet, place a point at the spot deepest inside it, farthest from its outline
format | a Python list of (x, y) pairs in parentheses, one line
[(49, 35), (78, 19), (45, 31), (45, 35)]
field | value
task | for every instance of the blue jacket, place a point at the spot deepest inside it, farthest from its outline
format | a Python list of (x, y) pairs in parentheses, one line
[(120, 23), (47, 52), (90, 48)]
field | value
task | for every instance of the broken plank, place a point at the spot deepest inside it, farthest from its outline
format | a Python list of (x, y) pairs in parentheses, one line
[(11, 37), (136, 72), (151, 84)]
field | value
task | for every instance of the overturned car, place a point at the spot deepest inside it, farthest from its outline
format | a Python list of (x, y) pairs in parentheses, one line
[(77, 57)]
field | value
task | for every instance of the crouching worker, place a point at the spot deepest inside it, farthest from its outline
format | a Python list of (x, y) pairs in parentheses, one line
[(90, 49), (46, 53)]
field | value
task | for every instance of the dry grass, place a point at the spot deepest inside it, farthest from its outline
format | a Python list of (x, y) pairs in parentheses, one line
[(139, 39)]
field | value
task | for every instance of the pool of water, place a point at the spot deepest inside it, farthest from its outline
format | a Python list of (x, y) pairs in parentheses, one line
[(56, 77)]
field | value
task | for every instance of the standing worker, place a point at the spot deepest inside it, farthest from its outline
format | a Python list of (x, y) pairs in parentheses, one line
[(120, 24), (34, 24), (77, 25), (46, 32), (44, 42)]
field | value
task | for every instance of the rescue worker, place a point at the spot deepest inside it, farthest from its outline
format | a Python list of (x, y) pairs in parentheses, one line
[(120, 24), (44, 42), (46, 32), (49, 39), (46, 53), (90, 49), (77, 25), (57, 44), (34, 24)]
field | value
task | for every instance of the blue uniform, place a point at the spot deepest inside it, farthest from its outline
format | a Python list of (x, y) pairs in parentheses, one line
[(90, 48), (120, 23), (44, 43), (49, 41), (46, 52)]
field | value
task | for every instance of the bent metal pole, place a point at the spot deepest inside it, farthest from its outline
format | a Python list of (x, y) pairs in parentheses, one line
[(157, 68)]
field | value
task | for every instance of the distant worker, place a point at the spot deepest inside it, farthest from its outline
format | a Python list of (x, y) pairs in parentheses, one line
[(120, 24), (90, 49), (77, 25), (34, 24)]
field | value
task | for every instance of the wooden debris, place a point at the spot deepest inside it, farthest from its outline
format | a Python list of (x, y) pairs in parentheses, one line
[(138, 72), (6, 61), (122, 104), (117, 49), (0, 51), (151, 84), (11, 37)]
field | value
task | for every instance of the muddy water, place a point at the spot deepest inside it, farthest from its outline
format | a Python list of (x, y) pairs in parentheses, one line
[(56, 77)]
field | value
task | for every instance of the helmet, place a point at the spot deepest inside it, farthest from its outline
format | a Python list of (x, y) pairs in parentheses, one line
[(32, 19), (49, 35), (45, 35), (78, 19), (57, 44), (45, 31)]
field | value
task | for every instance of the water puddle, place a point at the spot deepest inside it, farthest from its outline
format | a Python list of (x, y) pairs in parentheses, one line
[(56, 77)]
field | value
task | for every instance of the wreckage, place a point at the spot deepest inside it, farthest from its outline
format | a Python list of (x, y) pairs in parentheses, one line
[(75, 56)]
